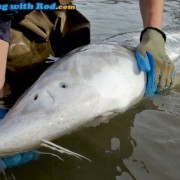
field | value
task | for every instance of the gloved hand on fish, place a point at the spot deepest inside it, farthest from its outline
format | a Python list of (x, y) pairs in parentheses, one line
[(96, 80), (152, 58)]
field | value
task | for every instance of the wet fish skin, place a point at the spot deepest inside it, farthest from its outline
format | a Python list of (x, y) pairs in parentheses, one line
[(97, 80)]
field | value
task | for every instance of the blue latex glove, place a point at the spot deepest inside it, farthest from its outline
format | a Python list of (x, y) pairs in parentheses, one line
[(18, 159), (146, 64)]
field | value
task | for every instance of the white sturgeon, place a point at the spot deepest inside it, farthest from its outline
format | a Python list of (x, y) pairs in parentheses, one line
[(96, 80)]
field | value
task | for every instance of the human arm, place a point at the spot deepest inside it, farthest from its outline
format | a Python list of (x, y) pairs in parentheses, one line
[(152, 12), (150, 53), (3, 59), (5, 24)]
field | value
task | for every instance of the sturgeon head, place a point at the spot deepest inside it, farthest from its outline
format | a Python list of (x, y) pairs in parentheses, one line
[(96, 81)]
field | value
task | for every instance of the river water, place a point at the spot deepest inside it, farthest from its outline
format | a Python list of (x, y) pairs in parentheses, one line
[(142, 143)]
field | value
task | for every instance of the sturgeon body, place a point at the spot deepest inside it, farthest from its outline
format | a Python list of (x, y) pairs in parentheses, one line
[(96, 80)]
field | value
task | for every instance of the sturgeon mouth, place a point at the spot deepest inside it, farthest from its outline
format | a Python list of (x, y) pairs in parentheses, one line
[(4, 154)]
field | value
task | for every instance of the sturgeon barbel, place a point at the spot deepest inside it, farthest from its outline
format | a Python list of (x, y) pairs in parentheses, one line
[(96, 80)]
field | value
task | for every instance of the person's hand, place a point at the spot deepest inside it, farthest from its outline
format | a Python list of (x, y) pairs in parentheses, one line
[(18, 159), (152, 58)]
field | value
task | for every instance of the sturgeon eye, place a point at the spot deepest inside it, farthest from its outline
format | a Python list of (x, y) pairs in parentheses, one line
[(36, 97), (63, 85)]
